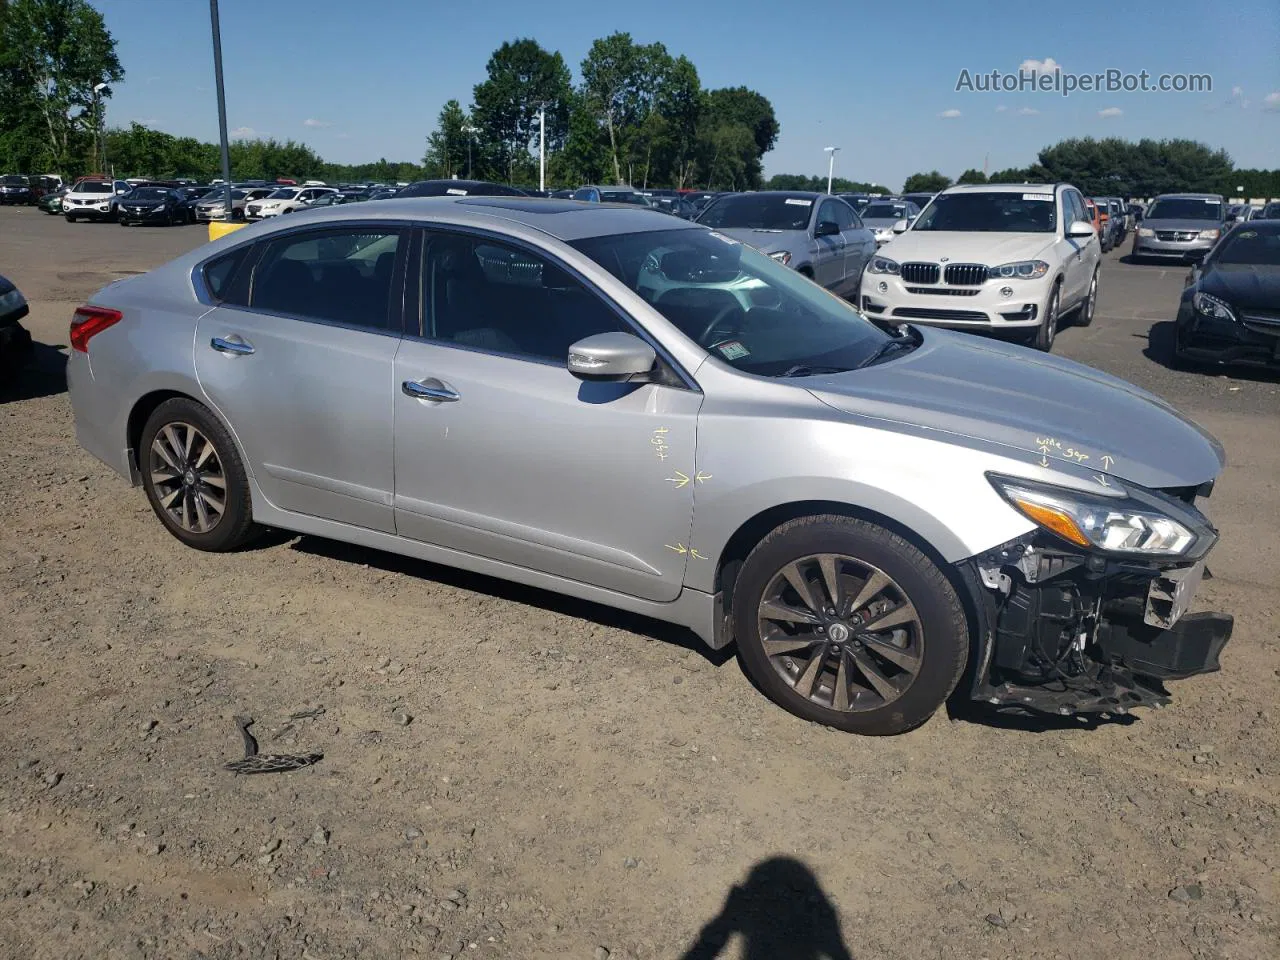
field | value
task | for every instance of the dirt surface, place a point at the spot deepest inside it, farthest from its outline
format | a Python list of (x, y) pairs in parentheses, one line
[(511, 774)]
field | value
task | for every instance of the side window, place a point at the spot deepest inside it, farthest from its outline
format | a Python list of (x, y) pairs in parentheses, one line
[(827, 211), (491, 296), (844, 216), (1072, 209), (343, 276), (219, 273)]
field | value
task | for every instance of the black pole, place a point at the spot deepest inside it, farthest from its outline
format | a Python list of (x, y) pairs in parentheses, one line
[(227, 209)]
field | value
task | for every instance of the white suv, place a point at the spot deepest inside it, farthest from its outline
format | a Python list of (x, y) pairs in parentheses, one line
[(93, 199), (284, 200), (997, 258)]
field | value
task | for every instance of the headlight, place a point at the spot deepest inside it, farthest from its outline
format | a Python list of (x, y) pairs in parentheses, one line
[(11, 301), (1146, 232), (1114, 525), (1021, 269), (782, 256), (884, 265), (1212, 307), (1209, 234)]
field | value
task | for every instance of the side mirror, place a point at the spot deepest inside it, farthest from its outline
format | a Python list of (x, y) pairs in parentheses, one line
[(612, 356), (1080, 229), (901, 226), (826, 228)]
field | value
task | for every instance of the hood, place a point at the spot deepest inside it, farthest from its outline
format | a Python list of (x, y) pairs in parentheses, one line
[(967, 247), (1181, 224), (767, 241), (129, 202), (1016, 399), (1244, 285)]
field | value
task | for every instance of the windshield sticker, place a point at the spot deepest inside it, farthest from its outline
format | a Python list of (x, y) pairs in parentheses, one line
[(792, 201), (1247, 235), (1038, 196), (729, 240), (732, 350), (455, 192)]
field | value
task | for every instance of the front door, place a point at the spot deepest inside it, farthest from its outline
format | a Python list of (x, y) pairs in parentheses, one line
[(828, 268), (501, 453), (299, 361)]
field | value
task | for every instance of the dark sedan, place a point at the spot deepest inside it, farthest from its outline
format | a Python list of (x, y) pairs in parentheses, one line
[(16, 189), (1230, 310), (15, 341), (151, 205)]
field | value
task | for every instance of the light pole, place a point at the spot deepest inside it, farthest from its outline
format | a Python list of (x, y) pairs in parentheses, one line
[(542, 147), (469, 130), (228, 210), (99, 148), (831, 164)]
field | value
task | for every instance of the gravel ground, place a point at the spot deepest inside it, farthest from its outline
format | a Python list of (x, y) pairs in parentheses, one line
[(507, 773)]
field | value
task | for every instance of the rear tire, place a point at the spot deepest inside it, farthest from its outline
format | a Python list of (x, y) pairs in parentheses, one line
[(893, 679), (189, 466)]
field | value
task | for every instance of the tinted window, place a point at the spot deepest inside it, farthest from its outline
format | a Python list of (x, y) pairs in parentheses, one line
[(339, 275), (1185, 208), (1003, 212), (844, 216), (828, 211), (219, 273), (885, 211), (149, 193), (490, 296), (759, 211), (1254, 245), (745, 308)]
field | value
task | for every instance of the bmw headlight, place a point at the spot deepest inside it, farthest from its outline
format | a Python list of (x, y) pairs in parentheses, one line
[(782, 256), (884, 265), (1211, 306), (1021, 270), (1131, 523)]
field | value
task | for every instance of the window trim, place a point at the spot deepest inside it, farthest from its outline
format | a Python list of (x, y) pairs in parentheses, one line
[(259, 246), (414, 298)]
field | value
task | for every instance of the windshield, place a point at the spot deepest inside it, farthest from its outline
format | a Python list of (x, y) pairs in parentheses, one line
[(288, 193), (622, 196), (740, 305), (1251, 245), (1004, 212), (759, 211), (884, 211), (13, 181), (91, 186), (1185, 208), (148, 193)]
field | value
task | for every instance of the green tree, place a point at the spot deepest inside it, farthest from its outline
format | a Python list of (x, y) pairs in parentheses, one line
[(972, 176), (52, 55), (931, 182), (521, 77), (617, 88), (740, 105), (447, 145)]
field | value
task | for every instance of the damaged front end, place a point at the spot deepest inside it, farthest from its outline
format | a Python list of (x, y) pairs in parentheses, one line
[(1079, 617)]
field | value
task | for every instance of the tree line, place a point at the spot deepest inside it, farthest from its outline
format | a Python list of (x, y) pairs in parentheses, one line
[(1111, 167), (639, 115)]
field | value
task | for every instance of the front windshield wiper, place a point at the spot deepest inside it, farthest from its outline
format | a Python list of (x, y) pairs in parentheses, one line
[(804, 370), (912, 339)]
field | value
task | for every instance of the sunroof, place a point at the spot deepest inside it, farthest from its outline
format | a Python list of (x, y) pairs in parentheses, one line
[(524, 205)]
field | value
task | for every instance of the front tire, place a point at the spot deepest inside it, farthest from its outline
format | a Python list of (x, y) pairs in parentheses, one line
[(1047, 332), (1085, 315), (806, 606), (194, 477)]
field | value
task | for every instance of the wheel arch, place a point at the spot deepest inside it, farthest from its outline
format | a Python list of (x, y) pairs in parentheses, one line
[(146, 405)]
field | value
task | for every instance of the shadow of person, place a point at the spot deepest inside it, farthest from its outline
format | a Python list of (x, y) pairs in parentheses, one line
[(781, 913)]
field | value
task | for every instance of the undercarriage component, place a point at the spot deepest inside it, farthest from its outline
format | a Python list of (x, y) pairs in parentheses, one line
[(1068, 633)]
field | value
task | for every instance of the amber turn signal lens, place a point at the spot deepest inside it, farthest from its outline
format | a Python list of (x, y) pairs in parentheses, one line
[(1054, 520)]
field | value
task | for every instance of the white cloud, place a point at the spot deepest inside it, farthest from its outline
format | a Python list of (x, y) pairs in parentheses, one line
[(1272, 101), (949, 114), (1001, 109), (1047, 65), (317, 123), (244, 132), (1028, 112), (1110, 112)]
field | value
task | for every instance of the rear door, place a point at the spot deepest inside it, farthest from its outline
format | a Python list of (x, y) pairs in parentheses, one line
[(299, 360)]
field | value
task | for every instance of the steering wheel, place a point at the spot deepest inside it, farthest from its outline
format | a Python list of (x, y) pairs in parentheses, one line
[(721, 314)]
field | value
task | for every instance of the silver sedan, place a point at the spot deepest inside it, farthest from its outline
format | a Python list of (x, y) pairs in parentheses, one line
[(617, 405)]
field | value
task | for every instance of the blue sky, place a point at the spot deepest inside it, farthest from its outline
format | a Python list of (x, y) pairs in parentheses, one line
[(359, 81)]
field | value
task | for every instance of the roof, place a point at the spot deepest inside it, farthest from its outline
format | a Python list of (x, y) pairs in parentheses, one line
[(1002, 188), (1189, 196), (563, 219)]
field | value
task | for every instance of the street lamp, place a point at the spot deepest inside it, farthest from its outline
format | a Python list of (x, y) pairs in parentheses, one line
[(542, 148), (831, 164), (469, 130), (99, 150)]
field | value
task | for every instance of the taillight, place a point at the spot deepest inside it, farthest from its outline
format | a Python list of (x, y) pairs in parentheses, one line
[(90, 320)]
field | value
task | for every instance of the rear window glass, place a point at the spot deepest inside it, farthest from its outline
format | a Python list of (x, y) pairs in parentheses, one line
[(219, 273)]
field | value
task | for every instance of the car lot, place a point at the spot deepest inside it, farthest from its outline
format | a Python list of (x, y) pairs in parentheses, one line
[(569, 777)]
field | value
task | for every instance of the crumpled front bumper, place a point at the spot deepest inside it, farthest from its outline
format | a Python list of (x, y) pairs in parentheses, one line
[(1072, 634)]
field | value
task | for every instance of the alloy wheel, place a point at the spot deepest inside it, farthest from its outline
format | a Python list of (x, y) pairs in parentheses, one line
[(841, 632), (190, 485)]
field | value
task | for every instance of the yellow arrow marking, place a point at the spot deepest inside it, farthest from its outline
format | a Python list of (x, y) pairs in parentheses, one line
[(1107, 462), (680, 480), (678, 548)]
